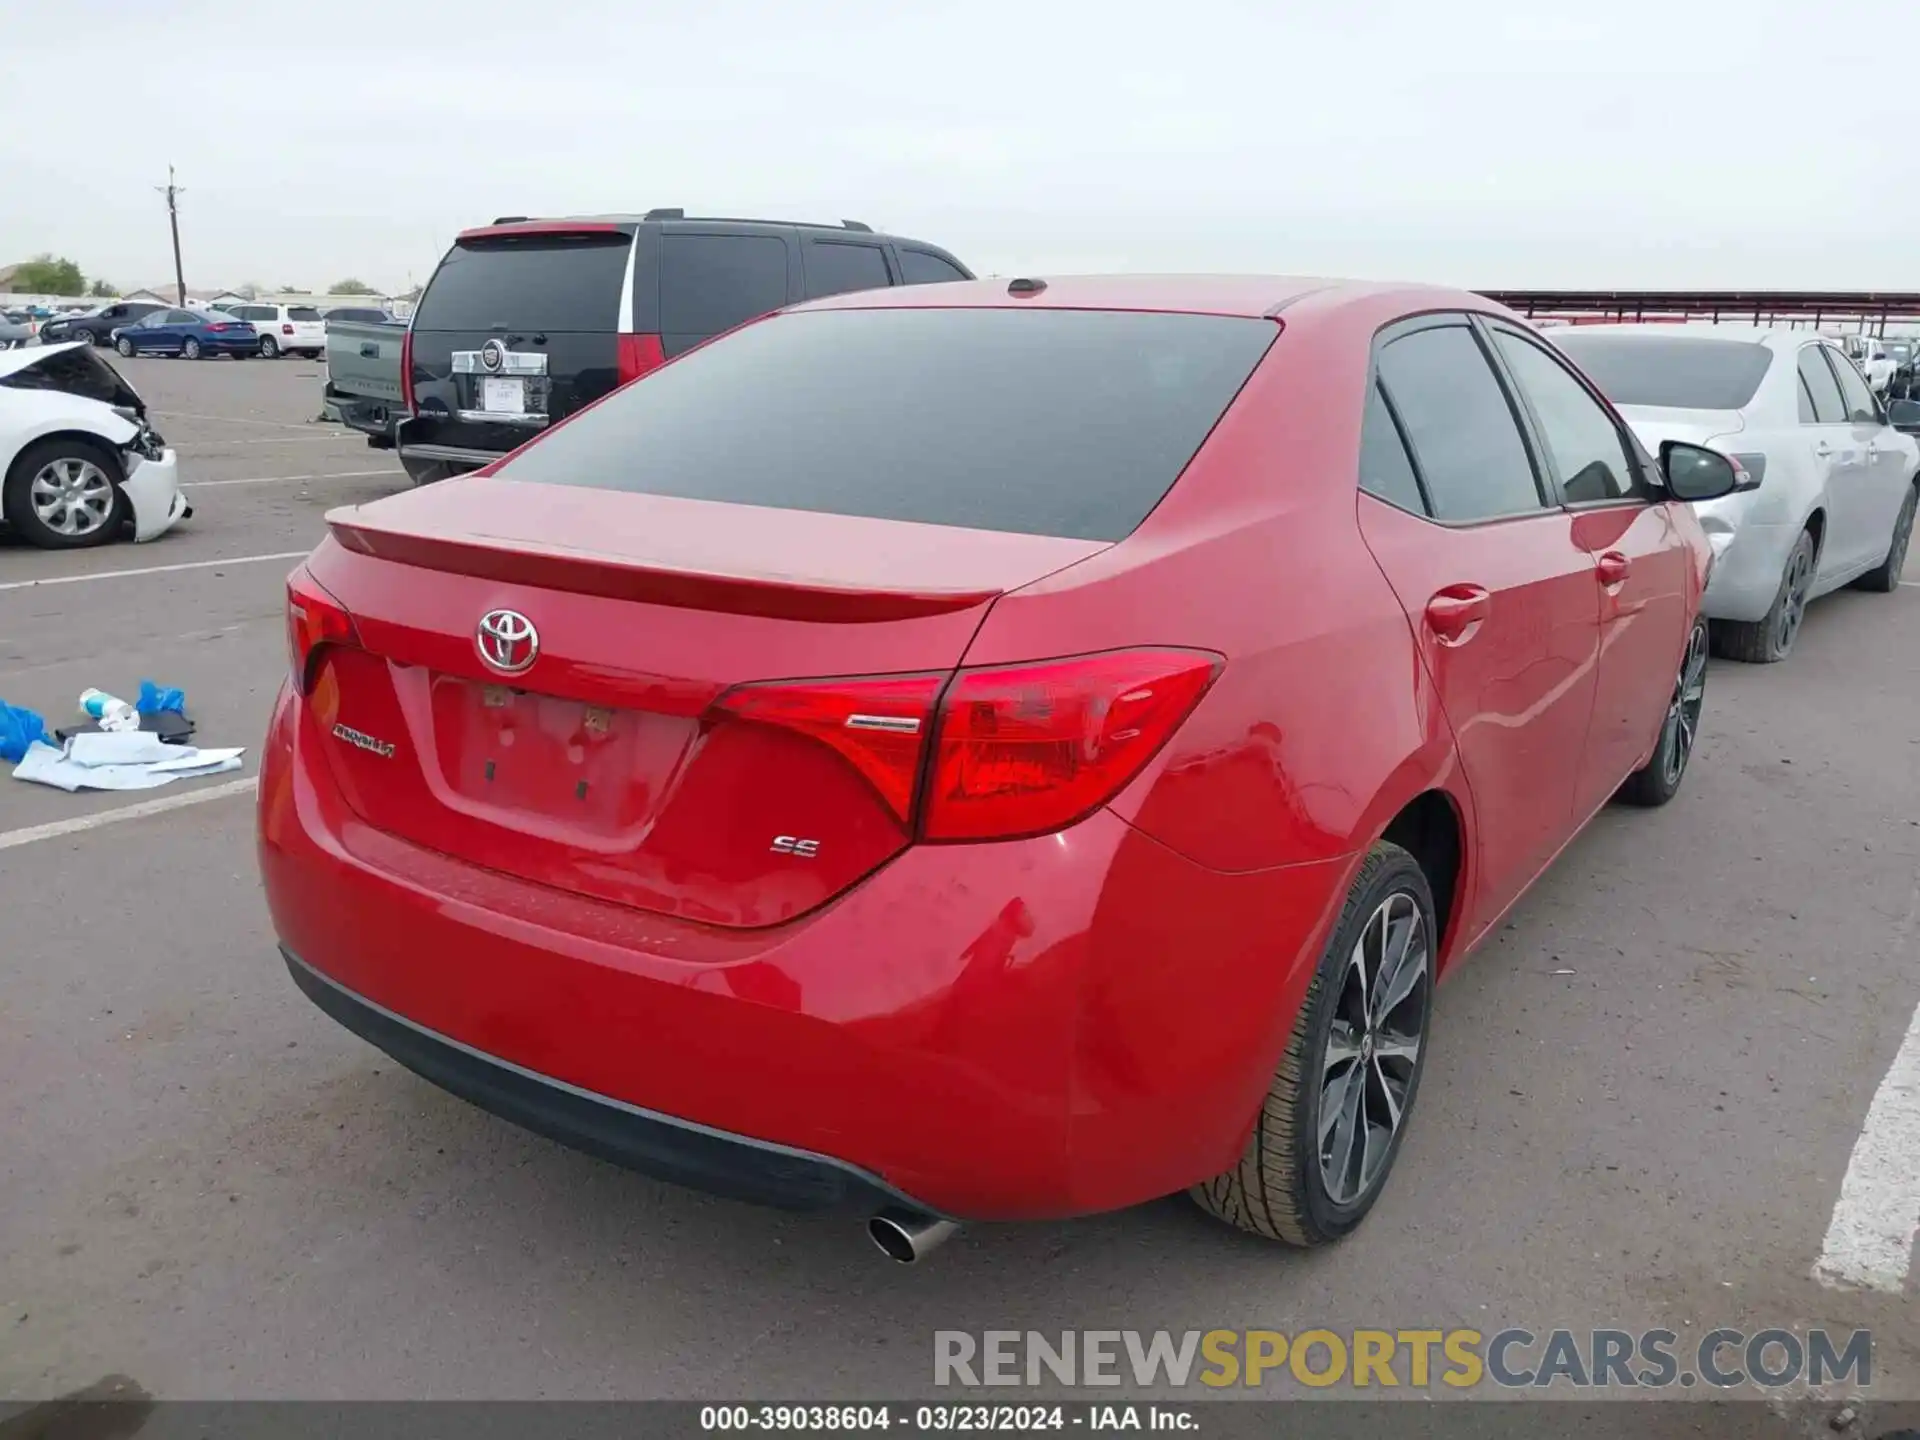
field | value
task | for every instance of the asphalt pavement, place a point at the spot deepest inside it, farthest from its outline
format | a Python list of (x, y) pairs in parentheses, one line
[(1642, 1101)]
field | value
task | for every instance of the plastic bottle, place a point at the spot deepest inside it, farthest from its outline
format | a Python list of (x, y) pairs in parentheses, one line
[(112, 712)]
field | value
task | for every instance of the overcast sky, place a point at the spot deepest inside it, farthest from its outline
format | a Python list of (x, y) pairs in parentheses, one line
[(1480, 142)]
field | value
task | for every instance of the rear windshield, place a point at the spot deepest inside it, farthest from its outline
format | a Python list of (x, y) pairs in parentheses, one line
[(569, 283), (302, 312), (1046, 422), (1669, 372)]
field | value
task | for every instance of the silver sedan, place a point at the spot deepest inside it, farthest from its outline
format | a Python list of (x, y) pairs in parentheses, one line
[(1836, 493)]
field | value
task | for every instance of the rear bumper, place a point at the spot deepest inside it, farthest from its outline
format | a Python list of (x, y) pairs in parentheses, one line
[(656, 1145), (1037, 1028), (1747, 573)]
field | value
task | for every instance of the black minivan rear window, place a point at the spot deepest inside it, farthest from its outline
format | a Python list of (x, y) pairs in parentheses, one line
[(547, 282), (1044, 422)]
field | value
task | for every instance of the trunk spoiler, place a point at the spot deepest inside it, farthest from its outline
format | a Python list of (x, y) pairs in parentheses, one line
[(699, 554)]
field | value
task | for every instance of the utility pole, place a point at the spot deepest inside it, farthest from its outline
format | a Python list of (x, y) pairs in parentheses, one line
[(173, 192)]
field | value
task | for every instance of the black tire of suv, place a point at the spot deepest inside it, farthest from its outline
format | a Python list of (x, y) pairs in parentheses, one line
[(1884, 578), (1277, 1190), (1757, 642)]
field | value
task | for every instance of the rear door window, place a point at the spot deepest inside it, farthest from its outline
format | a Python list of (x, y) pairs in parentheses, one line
[(1043, 422), (1386, 472), (1822, 389), (917, 267), (1457, 419), (836, 268), (710, 283), (563, 282)]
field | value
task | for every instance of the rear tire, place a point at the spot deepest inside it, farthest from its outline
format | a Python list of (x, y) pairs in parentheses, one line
[(1884, 578), (1769, 640), (1295, 1183), (269, 348), (1658, 781)]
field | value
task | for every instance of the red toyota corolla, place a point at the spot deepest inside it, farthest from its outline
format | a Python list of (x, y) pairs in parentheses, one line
[(989, 750)]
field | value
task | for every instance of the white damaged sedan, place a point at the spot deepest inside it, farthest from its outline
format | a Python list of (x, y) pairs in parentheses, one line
[(79, 464)]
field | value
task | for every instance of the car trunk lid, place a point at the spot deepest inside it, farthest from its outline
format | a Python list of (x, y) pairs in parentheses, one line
[(638, 754)]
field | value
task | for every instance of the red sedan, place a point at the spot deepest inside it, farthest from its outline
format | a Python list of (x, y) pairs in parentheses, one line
[(988, 750)]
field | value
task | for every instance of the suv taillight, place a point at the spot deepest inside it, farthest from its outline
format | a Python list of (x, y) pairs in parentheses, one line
[(1015, 749), (638, 355), (406, 370), (285, 329)]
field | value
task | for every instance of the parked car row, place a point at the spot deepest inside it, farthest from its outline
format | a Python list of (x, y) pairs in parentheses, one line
[(1003, 750)]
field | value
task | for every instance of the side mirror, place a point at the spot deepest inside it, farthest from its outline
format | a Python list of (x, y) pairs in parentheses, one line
[(1693, 472), (1905, 415)]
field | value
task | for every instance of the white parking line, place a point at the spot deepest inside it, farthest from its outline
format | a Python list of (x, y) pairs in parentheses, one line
[(198, 444), (53, 831), (1869, 1244), (230, 420), (286, 479), (155, 569)]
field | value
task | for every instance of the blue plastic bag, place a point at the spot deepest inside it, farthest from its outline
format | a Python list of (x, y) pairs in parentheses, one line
[(155, 701), (18, 729)]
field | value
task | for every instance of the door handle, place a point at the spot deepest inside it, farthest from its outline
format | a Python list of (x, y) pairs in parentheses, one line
[(1614, 568), (1822, 449), (1456, 612)]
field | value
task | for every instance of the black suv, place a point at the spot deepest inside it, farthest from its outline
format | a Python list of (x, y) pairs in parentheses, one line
[(526, 320), (97, 327)]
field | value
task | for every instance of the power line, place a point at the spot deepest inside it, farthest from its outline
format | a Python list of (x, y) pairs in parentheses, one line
[(173, 192)]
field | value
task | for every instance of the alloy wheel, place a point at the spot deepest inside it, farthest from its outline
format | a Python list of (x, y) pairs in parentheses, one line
[(1793, 605), (1373, 1047), (1683, 712), (1902, 535), (71, 496)]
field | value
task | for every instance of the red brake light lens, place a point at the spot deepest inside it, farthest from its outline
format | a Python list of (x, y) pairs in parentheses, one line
[(638, 355), (314, 618), (285, 329), (1026, 749), (406, 370), (1017, 749), (878, 724)]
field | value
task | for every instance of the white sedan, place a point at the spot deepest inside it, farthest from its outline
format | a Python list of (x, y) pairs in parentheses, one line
[(79, 464), (1835, 489)]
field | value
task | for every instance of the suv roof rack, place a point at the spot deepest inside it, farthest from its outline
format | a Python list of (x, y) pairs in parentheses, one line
[(676, 213)]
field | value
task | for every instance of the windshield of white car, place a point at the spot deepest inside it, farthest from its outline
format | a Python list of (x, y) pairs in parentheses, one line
[(1670, 372)]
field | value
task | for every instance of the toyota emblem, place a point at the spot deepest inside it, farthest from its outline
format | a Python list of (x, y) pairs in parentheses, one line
[(493, 356), (507, 641)]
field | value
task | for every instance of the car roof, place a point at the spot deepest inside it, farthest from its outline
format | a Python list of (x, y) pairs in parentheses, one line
[(577, 224), (1253, 296)]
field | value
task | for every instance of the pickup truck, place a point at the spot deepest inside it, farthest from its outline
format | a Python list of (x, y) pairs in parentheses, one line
[(363, 377)]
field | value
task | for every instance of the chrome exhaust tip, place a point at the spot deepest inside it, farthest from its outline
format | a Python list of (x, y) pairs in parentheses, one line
[(906, 1235)]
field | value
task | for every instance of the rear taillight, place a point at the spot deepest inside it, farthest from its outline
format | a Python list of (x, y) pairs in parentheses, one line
[(1015, 749), (314, 618), (406, 370), (638, 355), (286, 329), (878, 724)]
